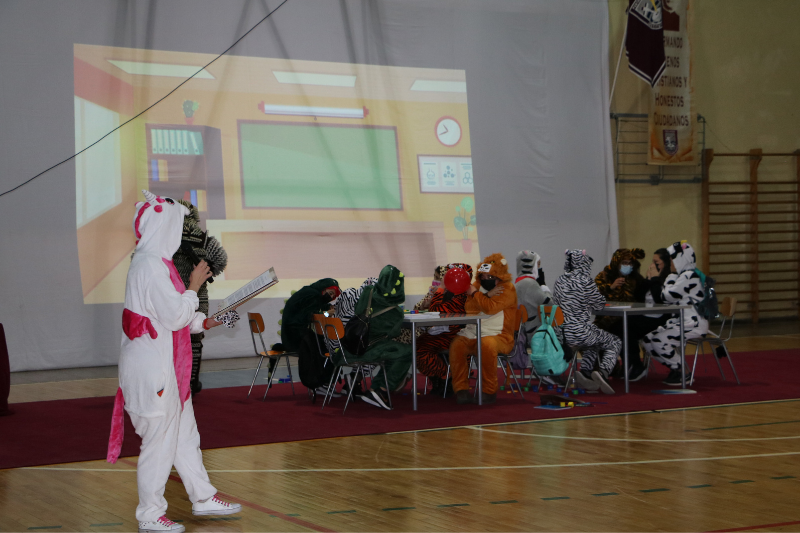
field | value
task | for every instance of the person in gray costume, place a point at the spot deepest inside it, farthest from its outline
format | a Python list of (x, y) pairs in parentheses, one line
[(531, 290)]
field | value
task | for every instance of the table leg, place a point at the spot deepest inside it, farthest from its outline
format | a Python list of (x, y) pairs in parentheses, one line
[(625, 349), (480, 366), (414, 365), (683, 354)]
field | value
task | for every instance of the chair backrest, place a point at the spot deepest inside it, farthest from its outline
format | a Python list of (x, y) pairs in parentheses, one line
[(330, 327), (256, 322), (728, 307), (558, 319), (727, 310), (522, 317)]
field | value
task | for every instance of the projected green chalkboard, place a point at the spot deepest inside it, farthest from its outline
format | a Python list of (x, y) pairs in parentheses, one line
[(291, 165)]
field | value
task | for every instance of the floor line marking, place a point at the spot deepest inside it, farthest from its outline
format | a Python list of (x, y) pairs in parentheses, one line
[(604, 415), (742, 481), (653, 490), (762, 526), (504, 501), (45, 527), (538, 435), (556, 498), (752, 425), (699, 486), (607, 494), (398, 508), (442, 468), (261, 508), (454, 505), (783, 477), (340, 512)]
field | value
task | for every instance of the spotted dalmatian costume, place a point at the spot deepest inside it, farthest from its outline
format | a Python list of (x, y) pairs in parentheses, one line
[(683, 288), (576, 293)]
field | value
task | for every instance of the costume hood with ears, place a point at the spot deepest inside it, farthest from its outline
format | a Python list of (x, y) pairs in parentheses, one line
[(527, 264), (463, 266), (158, 225), (682, 255), (632, 254), (578, 261), (494, 265), (390, 288)]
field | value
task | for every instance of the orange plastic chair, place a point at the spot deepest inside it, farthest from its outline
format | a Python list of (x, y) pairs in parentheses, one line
[(257, 328)]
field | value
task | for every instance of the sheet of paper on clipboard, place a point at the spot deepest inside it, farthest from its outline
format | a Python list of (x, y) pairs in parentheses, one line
[(249, 291)]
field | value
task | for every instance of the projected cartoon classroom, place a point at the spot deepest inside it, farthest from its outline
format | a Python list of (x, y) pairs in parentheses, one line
[(316, 169)]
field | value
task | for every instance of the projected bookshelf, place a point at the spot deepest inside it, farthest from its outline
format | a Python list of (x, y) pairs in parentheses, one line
[(185, 162)]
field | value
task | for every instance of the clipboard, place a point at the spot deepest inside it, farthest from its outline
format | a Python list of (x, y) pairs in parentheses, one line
[(247, 292)]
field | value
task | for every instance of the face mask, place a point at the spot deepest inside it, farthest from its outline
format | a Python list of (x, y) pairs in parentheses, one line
[(488, 284), (625, 269), (326, 298)]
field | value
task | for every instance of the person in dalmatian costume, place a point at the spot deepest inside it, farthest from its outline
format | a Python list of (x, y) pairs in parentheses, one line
[(576, 293), (155, 368), (682, 287)]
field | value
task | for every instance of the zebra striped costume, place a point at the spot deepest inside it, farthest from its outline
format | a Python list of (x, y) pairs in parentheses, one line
[(576, 293), (684, 288), (345, 305)]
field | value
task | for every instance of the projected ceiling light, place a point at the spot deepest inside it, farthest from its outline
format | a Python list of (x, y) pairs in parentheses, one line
[(142, 68), (309, 78), (309, 111), (439, 86)]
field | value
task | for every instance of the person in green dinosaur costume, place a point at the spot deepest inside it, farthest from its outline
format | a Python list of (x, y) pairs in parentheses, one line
[(197, 245), (389, 292), (301, 308)]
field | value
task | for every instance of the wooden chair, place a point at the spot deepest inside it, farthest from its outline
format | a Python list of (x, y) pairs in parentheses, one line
[(332, 329), (257, 328), (727, 310), (505, 358)]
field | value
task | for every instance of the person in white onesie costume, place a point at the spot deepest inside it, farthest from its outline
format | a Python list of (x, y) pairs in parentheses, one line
[(155, 367)]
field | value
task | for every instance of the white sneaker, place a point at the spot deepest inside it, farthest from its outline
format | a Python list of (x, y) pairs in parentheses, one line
[(600, 379), (586, 382), (323, 390), (162, 524), (215, 506)]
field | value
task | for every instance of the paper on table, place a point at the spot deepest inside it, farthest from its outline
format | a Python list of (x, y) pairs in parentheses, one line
[(429, 314), (251, 290)]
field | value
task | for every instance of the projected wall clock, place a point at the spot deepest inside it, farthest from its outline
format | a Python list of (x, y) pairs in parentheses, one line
[(448, 131)]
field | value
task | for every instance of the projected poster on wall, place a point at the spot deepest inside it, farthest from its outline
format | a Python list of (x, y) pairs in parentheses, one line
[(317, 169)]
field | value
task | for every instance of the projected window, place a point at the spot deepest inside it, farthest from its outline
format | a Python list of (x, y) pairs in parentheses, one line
[(299, 165), (98, 172)]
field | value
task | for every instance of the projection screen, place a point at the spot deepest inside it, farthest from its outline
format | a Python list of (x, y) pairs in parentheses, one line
[(335, 138)]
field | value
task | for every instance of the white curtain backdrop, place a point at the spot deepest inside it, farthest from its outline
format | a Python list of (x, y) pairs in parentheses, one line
[(537, 78)]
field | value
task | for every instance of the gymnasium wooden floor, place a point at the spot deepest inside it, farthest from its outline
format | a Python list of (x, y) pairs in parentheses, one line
[(734, 467)]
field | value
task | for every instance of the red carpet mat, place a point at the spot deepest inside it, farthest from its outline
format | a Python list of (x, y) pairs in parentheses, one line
[(77, 430)]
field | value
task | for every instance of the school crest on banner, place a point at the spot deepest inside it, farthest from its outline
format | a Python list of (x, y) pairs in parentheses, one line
[(671, 122)]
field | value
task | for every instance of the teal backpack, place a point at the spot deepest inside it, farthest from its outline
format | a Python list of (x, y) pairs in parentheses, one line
[(547, 355)]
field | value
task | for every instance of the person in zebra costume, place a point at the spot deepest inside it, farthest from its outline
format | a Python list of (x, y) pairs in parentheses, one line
[(576, 293), (197, 245), (682, 287)]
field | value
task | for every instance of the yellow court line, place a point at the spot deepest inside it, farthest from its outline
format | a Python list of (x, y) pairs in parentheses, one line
[(538, 435), (440, 468)]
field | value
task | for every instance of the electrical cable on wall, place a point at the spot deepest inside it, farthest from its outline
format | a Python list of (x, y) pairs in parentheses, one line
[(73, 156)]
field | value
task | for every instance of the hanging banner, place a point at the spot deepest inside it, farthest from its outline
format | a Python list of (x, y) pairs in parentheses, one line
[(671, 122)]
